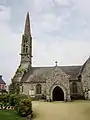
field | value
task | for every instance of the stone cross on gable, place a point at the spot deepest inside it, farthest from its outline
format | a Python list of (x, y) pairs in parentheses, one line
[(56, 62)]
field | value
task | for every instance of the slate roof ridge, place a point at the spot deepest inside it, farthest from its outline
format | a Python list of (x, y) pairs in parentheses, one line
[(57, 66)]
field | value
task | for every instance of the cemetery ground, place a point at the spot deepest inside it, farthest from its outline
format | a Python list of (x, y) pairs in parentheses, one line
[(76, 110)]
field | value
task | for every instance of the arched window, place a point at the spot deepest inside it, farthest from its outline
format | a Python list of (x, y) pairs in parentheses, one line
[(38, 89), (74, 87), (26, 49)]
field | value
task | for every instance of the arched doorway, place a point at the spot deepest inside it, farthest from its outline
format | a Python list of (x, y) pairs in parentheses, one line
[(58, 94)]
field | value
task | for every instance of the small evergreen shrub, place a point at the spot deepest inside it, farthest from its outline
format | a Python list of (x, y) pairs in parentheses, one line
[(4, 101), (25, 107), (5, 98), (23, 96), (14, 99)]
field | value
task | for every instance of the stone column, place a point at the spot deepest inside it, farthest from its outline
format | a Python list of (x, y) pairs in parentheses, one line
[(86, 93), (68, 98), (47, 98)]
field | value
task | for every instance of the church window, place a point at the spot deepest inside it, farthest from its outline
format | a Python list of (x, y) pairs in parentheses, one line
[(22, 88), (26, 49), (23, 48), (25, 40), (74, 87), (38, 89)]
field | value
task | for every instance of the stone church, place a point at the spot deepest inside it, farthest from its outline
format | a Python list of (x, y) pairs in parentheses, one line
[(56, 83)]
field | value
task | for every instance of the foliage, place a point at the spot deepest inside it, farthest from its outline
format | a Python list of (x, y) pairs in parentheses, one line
[(17, 89), (23, 96), (21, 70), (19, 98), (1, 98), (5, 98), (14, 99), (21, 103), (25, 107), (1, 105), (14, 88), (3, 91), (4, 101)]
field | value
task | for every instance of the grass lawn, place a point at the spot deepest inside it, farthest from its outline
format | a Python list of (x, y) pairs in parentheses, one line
[(9, 115)]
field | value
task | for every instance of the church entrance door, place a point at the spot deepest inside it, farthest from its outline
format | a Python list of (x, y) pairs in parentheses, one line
[(58, 94)]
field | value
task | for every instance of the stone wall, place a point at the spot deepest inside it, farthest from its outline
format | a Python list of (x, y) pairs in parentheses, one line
[(57, 78), (79, 88), (86, 76), (32, 86)]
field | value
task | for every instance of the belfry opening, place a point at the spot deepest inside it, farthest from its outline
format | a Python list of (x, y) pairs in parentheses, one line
[(58, 94)]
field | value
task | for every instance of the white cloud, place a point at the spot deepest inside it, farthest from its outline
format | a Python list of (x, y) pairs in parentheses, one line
[(4, 13), (74, 51), (66, 52), (61, 2), (83, 6), (50, 22)]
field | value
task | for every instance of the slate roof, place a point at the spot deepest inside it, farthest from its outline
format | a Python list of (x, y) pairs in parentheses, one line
[(73, 71), (1, 80)]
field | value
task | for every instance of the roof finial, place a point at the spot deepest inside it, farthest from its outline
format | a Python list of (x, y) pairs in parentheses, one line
[(56, 62), (27, 25)]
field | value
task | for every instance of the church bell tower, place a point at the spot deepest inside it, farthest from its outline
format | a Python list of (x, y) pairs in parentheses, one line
[(26, 46), (26, 53)]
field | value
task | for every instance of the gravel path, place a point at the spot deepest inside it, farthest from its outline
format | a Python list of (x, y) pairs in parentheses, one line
[(78, 110)]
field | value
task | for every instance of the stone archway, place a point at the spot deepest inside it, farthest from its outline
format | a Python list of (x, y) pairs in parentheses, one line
[(58, 94)]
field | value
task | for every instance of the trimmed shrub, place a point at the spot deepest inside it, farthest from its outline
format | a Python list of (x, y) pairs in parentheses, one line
[(1, 98), (1, 105), (4, 101), (21, 103), (21, 97), (14, 99), (25, 107), (6, 98)]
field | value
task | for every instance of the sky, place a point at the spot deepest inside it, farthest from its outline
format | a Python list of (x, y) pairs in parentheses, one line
[(60, 32)]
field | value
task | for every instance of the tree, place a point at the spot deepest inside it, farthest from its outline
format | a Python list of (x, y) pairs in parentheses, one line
[(14, 88)]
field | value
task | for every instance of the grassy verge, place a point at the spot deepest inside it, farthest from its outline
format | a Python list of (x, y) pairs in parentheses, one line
[(10, 115)]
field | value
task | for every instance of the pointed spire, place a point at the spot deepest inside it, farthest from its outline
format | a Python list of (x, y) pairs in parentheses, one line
[(27, 25)]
